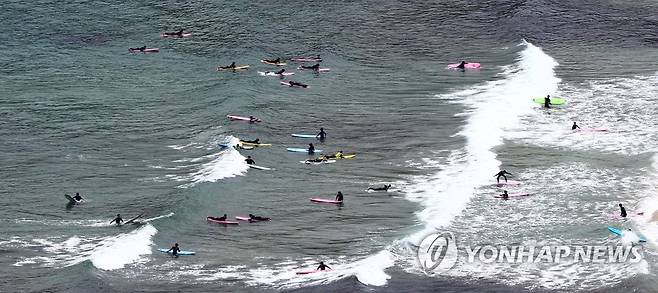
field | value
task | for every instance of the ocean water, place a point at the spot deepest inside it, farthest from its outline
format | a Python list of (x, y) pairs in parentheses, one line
[(138, 134)]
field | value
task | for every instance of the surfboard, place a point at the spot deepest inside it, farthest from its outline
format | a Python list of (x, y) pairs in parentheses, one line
[(591, 130), (306, 59), (350, 156), (147, 50), (620, 233), (473, 65), (318, 163), (240, 118), (255, 144), (321, 69), (244, 218), (170, 36), (300, 150), (259, 167), (237, 67), (272, 63), (133, 219), (311, 272), (275, 74), (214, 220), (305, 135), (71, 199), (513, 195), (182, 252), (324, 200), (554, 101)]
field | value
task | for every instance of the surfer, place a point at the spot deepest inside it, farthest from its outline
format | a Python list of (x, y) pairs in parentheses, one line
[(250, 161), (232, 66), (623, 211), (322, 135), (462, 65), (574, 126), (77, 197), (252, 119), (311, 149), (319, 159), (141, 49), (174, 250), (385, 188), (547, 101), (178, 33), (277, 60), (222, 218), (280, 71), (118, 220), (322, 267), (501, 174), (251, 141), (339, 155), (315, 67), (339, 196), (294, 83), (505, 195), (257, 218)]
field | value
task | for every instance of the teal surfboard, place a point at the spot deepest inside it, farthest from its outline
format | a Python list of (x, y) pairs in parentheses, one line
[(620, 233)]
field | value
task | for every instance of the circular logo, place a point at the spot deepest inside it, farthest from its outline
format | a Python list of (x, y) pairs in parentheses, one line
[(437, 252)]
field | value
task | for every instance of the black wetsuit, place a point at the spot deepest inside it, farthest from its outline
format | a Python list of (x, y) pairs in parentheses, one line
[(385, 188), (323, 267), (118, 220), (461, 65), (504, 195), (501, 174), (252, 141), (339, 197), (574, 126), (322, 135), (623, 212), (547, 102), (77, 197), (280, 71), (311, 149), (250, 161), (174, 250), (259, 218)]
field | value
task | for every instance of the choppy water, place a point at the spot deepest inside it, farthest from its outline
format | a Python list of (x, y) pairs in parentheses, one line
[(138, 133)]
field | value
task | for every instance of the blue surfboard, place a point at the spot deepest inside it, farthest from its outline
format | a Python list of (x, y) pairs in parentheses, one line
[(620, 233), (182, 252)]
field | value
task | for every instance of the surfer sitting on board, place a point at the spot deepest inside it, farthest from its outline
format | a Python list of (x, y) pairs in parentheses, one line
[(623, 211), (257, 218), (118, 220), (322, 135), (385, 188), (462, 65), (315, 67), (174, 250), (141, 49), (547, 101), (311, 149), (323, 267), (250, 161), (339, 196), (77, 197), (574, 126), (501, 174), (504, 195)]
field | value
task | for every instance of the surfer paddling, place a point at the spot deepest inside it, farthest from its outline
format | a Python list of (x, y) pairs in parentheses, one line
[(174, 34), (385, 188)]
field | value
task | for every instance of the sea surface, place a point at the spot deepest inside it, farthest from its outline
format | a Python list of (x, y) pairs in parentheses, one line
[(138, 134)]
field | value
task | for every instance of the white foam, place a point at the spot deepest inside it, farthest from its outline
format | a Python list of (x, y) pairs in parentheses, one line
[(225, 163), (115, 253)]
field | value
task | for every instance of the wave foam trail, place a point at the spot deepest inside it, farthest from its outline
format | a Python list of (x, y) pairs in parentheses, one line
[(226, 163), (115, 253), (492, 108)]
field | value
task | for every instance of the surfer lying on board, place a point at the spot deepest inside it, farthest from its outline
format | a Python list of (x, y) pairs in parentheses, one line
[(118, 220), (250, 161), (141, 49), (317, 160), (623, 211), (323, 267), (547, 101), (462, 65), (252, 141), (574, 126), (385, 188), (277, 60), (174, 250), (280, 71), (294, 83), (232, 66), (337, 155), (501, 174), (322, 135), (178, 33), (257, 218), (315, 67), (252, 119), (222, 218), (339, 196), (504, 195)]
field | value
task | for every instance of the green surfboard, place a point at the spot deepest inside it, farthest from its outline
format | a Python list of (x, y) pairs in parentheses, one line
[(554, 101)]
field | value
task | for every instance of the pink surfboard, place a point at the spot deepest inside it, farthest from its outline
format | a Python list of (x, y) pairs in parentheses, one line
[(467, 65), (240, 118), (311, 272), (323, 200), (512, 195), (214, 220)]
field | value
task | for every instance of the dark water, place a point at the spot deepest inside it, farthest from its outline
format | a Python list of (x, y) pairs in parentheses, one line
[(137, 133)]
